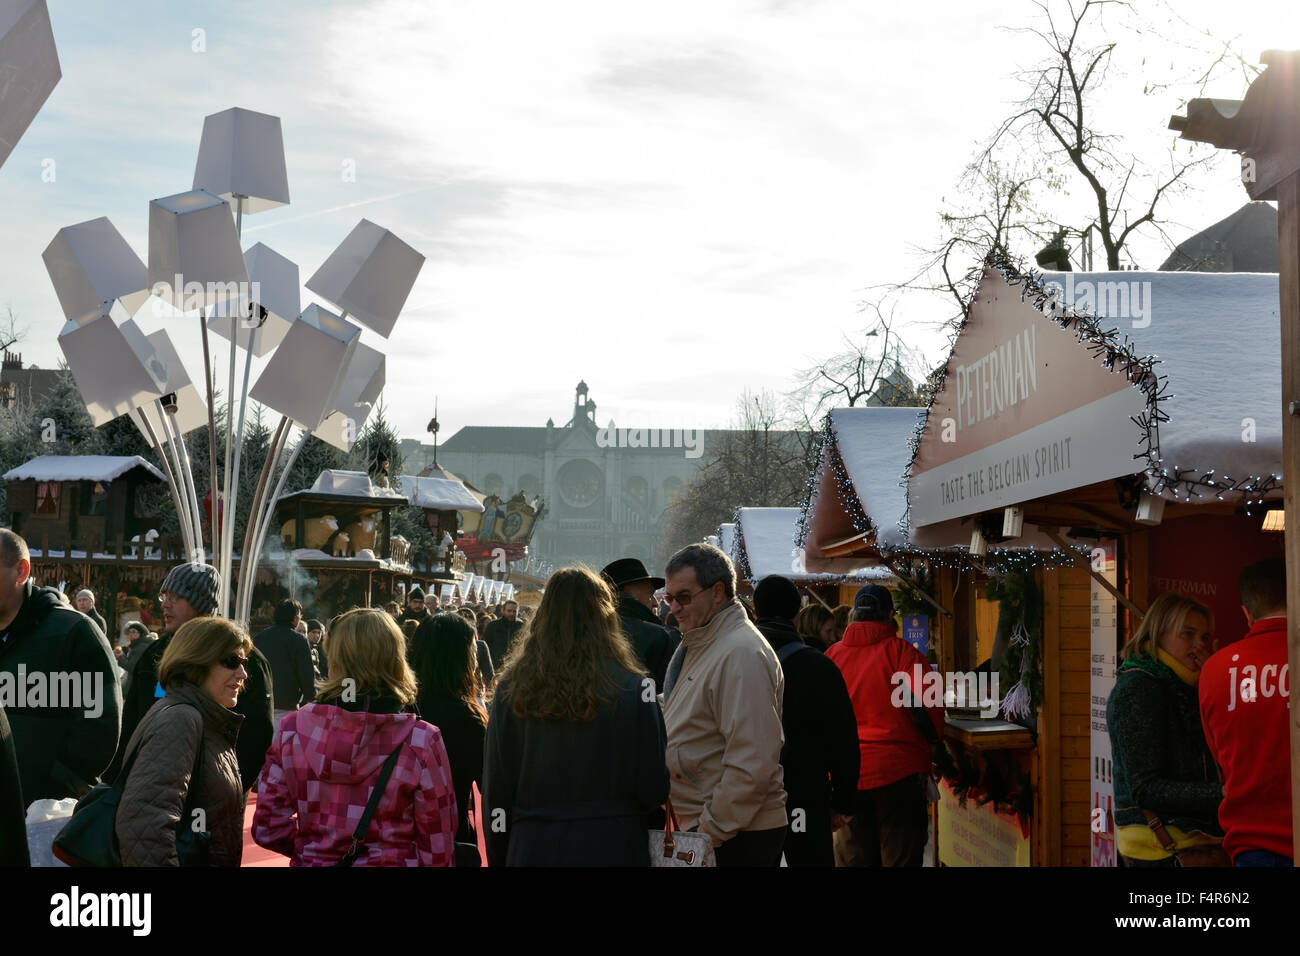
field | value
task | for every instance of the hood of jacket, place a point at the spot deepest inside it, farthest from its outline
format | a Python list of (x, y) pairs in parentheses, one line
[(348, 747), (37, 603), (865, 633)]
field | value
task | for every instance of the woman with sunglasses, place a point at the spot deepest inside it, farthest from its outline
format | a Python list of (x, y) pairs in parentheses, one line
[(180, 768), (328, 758)]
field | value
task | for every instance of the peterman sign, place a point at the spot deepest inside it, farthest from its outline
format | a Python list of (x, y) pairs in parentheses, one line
[(1024, 411)]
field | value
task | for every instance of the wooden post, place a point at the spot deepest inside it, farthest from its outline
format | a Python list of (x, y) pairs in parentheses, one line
[(1288, 230)]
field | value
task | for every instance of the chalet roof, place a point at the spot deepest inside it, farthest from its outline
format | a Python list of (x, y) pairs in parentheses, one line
[(765, 545), (439, 494), (80, 468)]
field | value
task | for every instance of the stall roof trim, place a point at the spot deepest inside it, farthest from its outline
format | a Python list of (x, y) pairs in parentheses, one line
[(80, 468)]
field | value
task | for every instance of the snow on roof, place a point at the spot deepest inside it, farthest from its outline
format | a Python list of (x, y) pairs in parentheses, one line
[(80, 468), (727, 539), (873, 445), (439, 494), (766, 536), (338, 482), (1217, 336)]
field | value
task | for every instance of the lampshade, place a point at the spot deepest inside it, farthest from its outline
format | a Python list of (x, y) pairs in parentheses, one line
[(303, 378), (29, 67), (362, 382), (241, 153), (273, 281), (192, 240), (191, 407), (369, 276), (115, 368), (91, 264)]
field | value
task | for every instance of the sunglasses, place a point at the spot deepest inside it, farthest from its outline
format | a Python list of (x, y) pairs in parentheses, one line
[(234, 662)]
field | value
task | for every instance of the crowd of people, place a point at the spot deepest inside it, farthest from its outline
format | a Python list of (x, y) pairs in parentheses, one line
[(624, 703)]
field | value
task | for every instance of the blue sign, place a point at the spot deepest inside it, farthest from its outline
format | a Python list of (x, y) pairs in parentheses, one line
[(916, 631)]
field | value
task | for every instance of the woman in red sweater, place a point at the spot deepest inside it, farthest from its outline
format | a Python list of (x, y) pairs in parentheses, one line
[(889, 819)]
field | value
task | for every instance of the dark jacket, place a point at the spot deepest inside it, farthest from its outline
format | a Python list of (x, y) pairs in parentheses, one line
[(1161, 760), (499, 635), (409, 615), (131, 659), (575, 793), (654, 644), (319, 662), (98, 618), (13, 809), (157, 788), (61, 752), (463, 734), (254, 706), (292, 675)]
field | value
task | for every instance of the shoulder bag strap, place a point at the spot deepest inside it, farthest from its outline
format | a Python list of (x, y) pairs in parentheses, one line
[(788, 650), (119, 782), (371, 806), (1158, 828)]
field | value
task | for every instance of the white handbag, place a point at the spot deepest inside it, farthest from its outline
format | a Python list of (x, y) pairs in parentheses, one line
[(672, 847)]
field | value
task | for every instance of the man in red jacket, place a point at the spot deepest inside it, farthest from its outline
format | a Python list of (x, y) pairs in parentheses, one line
[(1244, 692), (896, 742)]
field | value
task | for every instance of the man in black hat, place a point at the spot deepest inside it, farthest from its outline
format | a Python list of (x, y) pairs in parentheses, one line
[(635, 588), (415, 609), (499, 634), (821, 755)]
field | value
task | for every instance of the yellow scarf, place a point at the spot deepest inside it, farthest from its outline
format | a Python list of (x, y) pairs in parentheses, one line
[(1185, 673)]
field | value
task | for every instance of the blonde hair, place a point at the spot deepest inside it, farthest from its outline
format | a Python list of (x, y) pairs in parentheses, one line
[(1167, 615), (367, 648), (197, 646)]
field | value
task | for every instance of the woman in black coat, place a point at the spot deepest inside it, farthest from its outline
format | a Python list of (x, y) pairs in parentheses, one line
[(444, 659), (575, 738)]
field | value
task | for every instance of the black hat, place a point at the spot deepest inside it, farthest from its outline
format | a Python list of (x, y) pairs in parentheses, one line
[(315, 625), (777, 597), (875, 600), (628, 571), (414, 593)]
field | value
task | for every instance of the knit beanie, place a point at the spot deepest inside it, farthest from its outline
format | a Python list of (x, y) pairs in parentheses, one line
[(776, 597), (196, 583), (414, 593)]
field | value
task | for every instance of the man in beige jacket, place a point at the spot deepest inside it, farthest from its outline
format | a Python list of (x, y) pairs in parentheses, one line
[(722, 710)]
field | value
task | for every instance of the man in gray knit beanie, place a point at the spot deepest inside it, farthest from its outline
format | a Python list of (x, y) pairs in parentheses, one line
[(190, 591)]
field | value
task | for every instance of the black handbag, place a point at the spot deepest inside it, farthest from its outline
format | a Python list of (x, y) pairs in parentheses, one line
[(89, 838), (359, 836)]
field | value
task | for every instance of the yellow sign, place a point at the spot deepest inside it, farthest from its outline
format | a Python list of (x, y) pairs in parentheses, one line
[(976, 835)]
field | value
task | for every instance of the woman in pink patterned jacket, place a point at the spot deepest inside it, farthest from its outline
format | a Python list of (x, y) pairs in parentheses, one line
[(326, 758)]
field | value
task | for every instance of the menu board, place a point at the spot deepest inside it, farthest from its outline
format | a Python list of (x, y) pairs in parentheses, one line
[(1105, 631)]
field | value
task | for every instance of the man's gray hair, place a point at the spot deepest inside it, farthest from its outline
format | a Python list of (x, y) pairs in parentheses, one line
[(710, 564)]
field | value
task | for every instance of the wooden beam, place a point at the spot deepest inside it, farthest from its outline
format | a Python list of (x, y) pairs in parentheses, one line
[(904, 576), (846, 547), (1137, 612), (1288, 235)]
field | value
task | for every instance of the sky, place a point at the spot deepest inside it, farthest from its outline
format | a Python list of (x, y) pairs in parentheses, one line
[(675, 202)]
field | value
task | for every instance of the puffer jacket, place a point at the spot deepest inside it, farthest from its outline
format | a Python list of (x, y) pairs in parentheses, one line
[(322, 765), (159, 780)]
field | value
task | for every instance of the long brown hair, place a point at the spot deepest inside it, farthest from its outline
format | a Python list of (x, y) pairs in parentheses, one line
[(556, 669)]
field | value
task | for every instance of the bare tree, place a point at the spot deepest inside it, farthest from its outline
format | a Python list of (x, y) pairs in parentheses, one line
[(1057, 121), (10, 333)]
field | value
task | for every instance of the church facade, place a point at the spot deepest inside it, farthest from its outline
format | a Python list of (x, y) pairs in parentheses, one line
[(605, 490)]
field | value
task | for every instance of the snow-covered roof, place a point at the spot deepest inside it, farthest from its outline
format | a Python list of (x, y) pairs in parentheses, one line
[(873, 446), (80, 468), (1217, 335), (765, 545), (439, 494), (338, 482), (727, 539)]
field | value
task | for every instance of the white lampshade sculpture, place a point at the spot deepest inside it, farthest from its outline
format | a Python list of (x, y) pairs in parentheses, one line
[(29, 67), (317, 373)]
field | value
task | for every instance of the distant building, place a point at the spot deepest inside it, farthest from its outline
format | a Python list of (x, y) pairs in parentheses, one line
[(1246, 241), (24, 386)]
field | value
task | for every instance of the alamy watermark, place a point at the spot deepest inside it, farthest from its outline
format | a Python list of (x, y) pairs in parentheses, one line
[(56, 690), (1111, 298), (193, 295), (690, 440), (951, 689)]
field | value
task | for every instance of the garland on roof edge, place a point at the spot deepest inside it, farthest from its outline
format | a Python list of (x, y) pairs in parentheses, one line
[(1116, 353)]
